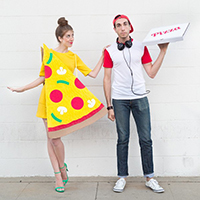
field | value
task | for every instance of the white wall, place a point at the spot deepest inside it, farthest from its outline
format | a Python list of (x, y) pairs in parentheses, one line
[(175, 95)]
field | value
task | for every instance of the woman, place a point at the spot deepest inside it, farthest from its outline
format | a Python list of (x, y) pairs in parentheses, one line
[(65, 36)]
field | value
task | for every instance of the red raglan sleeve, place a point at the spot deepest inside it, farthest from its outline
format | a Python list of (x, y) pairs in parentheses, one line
[(108, 63), (146, 58)]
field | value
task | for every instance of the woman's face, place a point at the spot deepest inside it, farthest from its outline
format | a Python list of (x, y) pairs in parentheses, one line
[(67, 39)]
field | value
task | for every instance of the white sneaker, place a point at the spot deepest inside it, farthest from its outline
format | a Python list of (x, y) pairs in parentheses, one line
[(119, 185), (153, 184)]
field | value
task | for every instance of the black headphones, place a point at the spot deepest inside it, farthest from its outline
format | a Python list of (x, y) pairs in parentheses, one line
[(121, 46)]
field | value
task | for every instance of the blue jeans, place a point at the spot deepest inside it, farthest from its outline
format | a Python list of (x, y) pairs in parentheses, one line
[(141, 113)]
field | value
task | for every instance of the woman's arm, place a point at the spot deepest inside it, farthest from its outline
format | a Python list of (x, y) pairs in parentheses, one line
[(98, 66), (34, 84)]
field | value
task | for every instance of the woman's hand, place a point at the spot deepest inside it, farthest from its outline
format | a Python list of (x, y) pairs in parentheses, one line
[(20, 89), (105, 48)]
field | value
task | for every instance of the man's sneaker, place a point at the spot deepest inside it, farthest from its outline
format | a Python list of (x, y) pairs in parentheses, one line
[(119, 185), (153, 184)]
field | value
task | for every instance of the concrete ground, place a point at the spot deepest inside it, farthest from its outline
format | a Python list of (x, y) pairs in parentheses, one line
[(98, 188)]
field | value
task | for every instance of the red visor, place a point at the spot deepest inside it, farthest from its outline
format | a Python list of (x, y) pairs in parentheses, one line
[(123, 16)]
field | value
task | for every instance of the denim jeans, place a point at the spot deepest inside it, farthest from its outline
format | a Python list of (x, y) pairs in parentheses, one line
[(141, 113)]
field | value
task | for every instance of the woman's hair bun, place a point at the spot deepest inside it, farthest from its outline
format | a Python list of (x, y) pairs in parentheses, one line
[(62, 21)]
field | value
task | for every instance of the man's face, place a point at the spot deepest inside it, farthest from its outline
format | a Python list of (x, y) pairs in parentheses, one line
[(122, 28)]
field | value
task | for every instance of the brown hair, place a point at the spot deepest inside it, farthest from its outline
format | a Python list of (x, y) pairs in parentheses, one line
[(62, 28)]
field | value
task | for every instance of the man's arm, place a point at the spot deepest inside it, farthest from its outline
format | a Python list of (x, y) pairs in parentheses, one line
[(107, 91), (152, 69)]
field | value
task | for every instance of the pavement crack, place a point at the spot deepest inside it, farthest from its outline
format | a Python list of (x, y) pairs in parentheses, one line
[(97, 188), (22, 191), (171, 191)]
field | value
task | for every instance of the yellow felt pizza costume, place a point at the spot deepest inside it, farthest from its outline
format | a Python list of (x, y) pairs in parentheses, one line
[(69, 104)]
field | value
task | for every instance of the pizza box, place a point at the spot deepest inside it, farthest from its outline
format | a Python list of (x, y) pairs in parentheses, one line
[(166, 34)]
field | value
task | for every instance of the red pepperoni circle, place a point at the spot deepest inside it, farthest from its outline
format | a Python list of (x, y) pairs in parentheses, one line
[(56, 96), (78, 84), (48, 71), (77, 103)]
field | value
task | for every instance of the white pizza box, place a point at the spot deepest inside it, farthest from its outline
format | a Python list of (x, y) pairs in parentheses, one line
[(166, 34)]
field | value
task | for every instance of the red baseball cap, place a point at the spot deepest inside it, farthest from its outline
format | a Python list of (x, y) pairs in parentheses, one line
[(122, 16)]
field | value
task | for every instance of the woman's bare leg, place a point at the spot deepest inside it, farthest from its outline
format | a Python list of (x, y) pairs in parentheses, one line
[(53, 158), (59, 150)]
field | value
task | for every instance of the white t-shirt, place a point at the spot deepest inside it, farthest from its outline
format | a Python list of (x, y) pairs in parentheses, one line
[(127, 70)]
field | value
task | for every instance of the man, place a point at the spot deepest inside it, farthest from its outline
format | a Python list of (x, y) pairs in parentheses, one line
[(125, 59)]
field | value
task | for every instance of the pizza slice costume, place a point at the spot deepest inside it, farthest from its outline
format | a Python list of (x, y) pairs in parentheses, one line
[(66, 103)]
